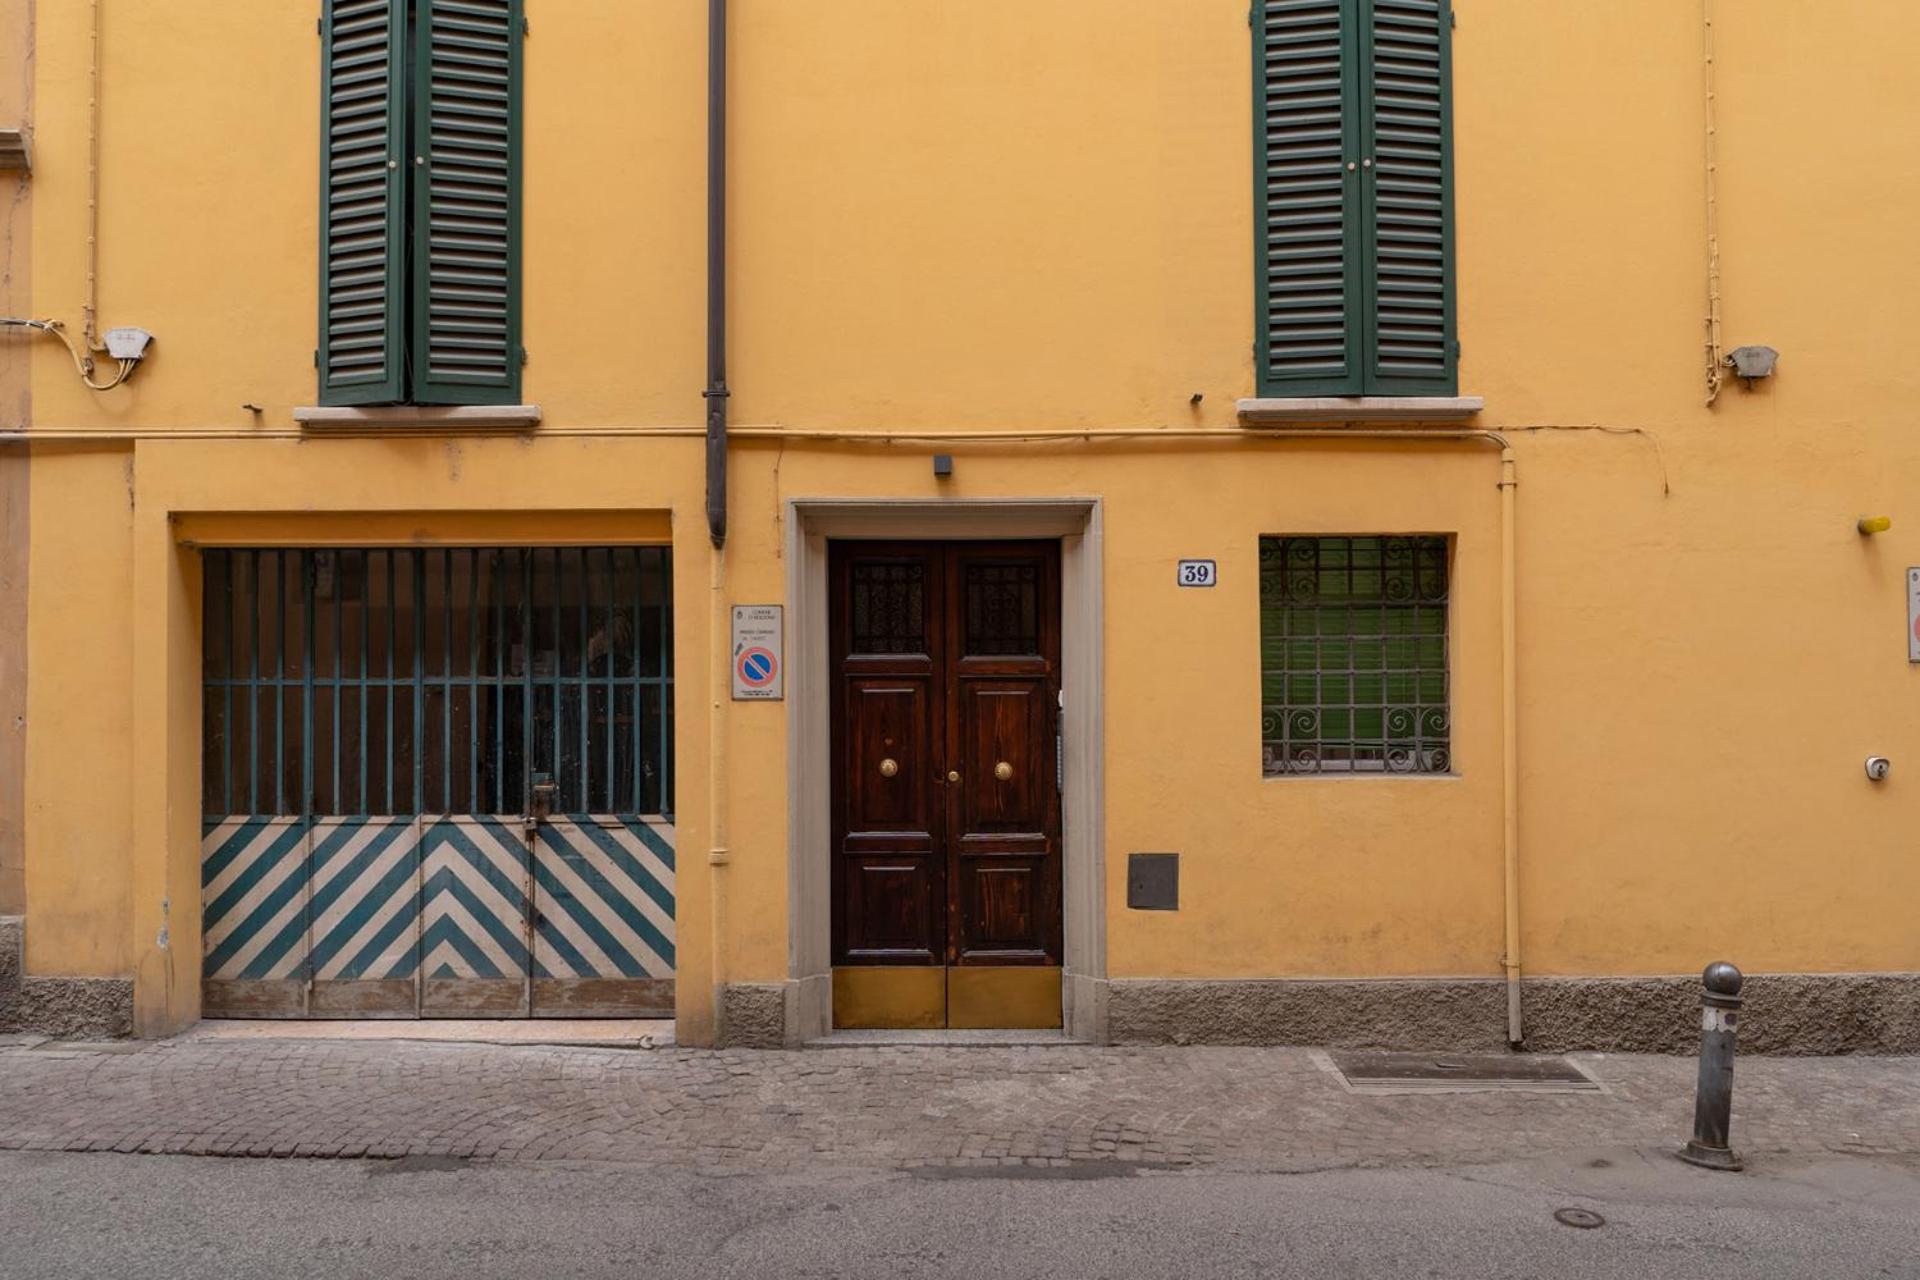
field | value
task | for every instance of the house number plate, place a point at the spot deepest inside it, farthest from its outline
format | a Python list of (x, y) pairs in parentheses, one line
[(1198, 573)]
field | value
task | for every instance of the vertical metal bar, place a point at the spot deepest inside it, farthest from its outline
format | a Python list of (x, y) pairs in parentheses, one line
[(366, 629), (279, 683), (665, 762), (612, 723), (419, 680), (393, 614), (559, 577), (526, 679), (500, 689), (633, 677), (446, 682), (306, 682), (253, 681), (307, 594), (473, 680), (226, 755), (339, 632), (586, 678)]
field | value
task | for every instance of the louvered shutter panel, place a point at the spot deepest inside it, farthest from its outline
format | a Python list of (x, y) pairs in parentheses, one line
[(1310, 316), (466, 240), (362, 259), (1407, 94)]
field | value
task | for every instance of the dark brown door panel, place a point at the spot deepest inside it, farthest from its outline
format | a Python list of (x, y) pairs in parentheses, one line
[(946, 811), (1006, 726), (886, 759), (889, 904), (1005, 903)]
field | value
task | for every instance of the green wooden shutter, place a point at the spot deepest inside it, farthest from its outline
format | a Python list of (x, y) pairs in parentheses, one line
[(1354, 163), (1307, 131), (1408, 136), (362, 258), (466, 202)]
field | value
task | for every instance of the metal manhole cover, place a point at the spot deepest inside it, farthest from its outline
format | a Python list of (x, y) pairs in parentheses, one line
[(1448, 1072), (1583, 1219)]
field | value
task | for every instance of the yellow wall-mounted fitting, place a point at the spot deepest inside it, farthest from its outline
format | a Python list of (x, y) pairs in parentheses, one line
[(1870, 525)]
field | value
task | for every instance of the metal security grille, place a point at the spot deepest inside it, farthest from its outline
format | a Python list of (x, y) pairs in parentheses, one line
[(437, 783), (1353, 655), (411, 681)]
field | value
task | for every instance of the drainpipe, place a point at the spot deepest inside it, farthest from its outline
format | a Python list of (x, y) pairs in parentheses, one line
[(716, 393), (721, 656), (1510, 743)]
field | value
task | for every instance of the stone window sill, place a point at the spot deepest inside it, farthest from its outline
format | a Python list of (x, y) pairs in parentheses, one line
[(1356, 409), (405, 417)]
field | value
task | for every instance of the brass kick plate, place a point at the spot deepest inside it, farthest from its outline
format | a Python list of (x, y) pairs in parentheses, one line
[(895, 998), (901, 998), (1026, 998)]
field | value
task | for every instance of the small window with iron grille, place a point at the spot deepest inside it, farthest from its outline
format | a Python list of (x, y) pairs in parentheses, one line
[(1353, 655)]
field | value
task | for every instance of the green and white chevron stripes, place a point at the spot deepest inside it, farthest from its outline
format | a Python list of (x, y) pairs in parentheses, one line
[(253, 890), (605, 892), (383, 899)]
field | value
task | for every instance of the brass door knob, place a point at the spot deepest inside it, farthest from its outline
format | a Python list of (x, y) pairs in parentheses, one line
[(953, 776), (888, 768), (1003, 771)]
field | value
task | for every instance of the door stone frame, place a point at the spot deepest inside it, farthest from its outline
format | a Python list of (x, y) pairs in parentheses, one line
[(810, 523)]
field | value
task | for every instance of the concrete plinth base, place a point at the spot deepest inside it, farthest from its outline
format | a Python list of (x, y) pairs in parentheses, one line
[(1794, 1013), (63, 1008)]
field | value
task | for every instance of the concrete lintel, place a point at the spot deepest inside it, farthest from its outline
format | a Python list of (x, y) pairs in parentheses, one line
[(409, 417), (1308, 410)]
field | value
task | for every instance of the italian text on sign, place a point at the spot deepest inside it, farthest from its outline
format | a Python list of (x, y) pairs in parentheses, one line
[(759, 653)]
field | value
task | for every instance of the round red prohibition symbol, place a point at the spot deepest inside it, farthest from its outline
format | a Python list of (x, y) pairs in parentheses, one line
[(757, 667)]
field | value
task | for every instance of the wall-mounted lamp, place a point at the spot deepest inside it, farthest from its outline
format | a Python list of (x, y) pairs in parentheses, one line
[(1870, 525)]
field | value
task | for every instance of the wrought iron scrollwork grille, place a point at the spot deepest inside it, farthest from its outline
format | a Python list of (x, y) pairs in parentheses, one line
[(1354, 655)]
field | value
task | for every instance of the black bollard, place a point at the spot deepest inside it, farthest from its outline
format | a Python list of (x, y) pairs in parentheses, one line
[(1713, 1100)]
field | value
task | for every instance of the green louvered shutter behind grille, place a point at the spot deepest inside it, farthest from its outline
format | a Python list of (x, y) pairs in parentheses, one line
[(1355, 181), (1409, 216), (362, 261), (1307, 128), (466, 321)]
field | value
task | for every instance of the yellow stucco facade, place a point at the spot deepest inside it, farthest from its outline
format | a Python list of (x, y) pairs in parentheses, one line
[(1007, 217)]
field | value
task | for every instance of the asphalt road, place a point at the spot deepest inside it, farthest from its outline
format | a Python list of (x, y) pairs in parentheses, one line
[(157, 1217)]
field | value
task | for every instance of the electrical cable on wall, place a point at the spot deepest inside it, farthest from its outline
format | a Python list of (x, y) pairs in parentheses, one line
[(127, 346), (1715, 361)]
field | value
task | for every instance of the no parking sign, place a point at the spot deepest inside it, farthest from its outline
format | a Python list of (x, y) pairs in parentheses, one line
[(759, 667)]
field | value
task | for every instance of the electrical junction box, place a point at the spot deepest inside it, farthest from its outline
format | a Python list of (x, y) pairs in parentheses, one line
[(128, 344), (1153, 881)]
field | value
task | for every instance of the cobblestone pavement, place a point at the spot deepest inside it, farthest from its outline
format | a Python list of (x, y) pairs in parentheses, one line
[(1207, 1108)]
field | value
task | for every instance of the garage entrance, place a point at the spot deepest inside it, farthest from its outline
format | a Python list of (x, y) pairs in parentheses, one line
[(438, 783)]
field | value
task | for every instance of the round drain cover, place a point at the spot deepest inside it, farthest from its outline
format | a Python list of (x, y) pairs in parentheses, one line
[(1584, 1219)]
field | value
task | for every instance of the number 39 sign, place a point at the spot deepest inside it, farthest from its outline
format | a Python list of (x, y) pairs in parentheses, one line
[(1198, 573)]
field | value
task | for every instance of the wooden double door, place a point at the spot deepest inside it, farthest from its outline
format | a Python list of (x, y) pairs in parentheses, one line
[(946, 789)]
